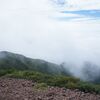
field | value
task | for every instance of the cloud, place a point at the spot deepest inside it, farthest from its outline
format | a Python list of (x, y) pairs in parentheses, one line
[(32, 28), (89, 10), (82, 4), (59, 2), (81, 14)]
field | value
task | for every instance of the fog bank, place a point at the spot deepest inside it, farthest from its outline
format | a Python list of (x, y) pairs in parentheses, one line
[(41, 29)]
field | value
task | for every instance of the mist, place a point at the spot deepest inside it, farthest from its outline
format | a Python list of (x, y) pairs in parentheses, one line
[(54, 30)]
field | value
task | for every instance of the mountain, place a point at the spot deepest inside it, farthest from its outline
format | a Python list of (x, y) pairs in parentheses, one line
[(10, 60), (91, 72)]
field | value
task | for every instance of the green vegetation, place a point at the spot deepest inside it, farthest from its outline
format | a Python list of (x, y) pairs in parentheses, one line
[(91, 72), (44, 73), (41, 86), (44, 80), (19, 62)]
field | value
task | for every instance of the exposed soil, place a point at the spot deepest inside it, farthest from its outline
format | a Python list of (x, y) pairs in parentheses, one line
[(21, 89)]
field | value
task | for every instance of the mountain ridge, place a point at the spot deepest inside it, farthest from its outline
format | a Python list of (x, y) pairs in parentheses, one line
[(10, 60)]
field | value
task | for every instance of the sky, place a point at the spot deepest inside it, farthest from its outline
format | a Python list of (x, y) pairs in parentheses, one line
[(54, 30)]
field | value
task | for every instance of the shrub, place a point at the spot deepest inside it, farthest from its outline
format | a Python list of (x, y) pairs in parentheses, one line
[(71, 85), (2, 73), (5, 72), (86, 87), (40, 86), (59, 80)]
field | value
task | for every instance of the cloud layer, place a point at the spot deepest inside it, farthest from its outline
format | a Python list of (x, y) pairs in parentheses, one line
[(66, 31)]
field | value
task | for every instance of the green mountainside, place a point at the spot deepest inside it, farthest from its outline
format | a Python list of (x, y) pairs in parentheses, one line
[(10, 60), (18, 66)]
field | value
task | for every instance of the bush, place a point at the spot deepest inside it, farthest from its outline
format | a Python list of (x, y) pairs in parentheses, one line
[(44, 79), (40, 86), (86, 87), (5, 72), (2, 73), (58, 81), (71, 85)]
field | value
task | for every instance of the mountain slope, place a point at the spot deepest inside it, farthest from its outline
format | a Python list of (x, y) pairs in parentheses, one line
[(10, 60)]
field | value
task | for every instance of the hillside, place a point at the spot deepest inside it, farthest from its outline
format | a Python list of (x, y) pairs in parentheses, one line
[(33, 85), (10, 60), (22, 89)]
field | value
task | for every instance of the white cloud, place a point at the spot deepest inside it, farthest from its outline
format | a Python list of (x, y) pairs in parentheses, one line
[(81, 4), (27, 27)]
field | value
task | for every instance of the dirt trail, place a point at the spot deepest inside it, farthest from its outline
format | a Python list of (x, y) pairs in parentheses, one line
[(21, 89)]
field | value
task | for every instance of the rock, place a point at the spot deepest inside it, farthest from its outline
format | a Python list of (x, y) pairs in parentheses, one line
[(21, 89)]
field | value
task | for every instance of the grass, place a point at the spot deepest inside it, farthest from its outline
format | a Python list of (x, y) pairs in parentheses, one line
[(44, 80), (40, 86)]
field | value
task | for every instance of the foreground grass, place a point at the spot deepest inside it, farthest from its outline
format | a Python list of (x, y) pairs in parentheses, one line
[(44, 80)]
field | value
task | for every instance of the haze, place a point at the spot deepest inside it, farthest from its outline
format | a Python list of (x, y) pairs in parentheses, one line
[(54, 30)]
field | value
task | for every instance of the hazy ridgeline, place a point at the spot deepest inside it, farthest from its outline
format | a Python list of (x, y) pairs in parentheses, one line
[(88, 71), (53, 30)]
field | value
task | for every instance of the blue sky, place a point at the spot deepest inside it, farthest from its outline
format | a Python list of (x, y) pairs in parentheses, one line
[(91, 14), (83, 9), (53, 30)]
